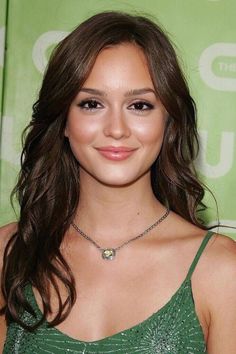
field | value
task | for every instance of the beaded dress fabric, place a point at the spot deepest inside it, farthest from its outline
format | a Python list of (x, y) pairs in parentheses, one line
[(174, 329)]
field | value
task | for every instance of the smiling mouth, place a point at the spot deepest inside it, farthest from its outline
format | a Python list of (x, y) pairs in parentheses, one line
[(116, 153)]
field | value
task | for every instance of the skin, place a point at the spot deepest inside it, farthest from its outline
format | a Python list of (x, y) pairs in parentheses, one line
[(117, 203)]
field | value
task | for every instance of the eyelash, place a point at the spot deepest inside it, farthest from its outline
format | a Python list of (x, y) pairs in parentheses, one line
[(83, 104), (95, 103), (149, 106)]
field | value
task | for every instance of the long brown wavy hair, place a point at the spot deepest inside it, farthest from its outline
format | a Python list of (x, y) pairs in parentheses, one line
[(48, 186)]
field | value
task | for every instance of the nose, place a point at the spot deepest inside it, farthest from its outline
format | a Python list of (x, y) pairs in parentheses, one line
[(116, 125)]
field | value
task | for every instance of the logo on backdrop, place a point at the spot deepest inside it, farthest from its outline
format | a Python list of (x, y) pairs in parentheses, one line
[(217, 65), (42, 45), (226, 155), (2, 36)]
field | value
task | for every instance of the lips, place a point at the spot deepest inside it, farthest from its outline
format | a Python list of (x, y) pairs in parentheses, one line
[(116, 153)]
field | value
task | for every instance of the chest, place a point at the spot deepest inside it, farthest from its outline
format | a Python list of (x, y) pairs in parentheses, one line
[(173, 329), (113, 296)]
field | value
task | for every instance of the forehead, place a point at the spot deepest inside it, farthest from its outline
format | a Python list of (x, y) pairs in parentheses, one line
[(120, 65)]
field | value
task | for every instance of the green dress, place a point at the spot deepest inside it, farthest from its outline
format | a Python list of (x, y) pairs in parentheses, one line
[(174, 329)]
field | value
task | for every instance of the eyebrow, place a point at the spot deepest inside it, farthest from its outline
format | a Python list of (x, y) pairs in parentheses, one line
[(127, 94), (93, 91), (139, 92)]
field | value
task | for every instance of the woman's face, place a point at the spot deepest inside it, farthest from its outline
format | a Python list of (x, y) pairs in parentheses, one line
[(116, 123)]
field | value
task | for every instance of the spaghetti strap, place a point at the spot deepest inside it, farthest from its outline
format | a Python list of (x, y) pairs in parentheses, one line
[(199, 252)]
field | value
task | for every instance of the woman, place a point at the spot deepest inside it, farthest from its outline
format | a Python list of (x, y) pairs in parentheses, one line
[(109, 254)]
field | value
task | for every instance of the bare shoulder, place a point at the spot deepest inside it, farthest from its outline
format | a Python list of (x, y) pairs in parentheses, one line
[(220, 290), (222, 255), (8, 229), (5, 234), (217, 264), (220, 262), (221, 275)]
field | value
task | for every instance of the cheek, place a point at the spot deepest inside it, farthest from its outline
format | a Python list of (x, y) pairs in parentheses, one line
[(80, 131), (151, 134), (79, 136)]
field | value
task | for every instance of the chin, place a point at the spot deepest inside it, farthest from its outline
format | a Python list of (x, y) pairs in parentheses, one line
[(119, 181), (113, 177), (115, 182)]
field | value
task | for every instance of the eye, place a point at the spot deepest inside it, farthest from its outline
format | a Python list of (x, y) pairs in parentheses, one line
[(90, 105), (141, 106)]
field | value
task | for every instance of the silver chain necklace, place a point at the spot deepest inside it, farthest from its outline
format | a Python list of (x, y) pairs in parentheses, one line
[(110, 253)]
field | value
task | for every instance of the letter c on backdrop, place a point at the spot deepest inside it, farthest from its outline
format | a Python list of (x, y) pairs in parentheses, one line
[(46, 40), (206, 66)]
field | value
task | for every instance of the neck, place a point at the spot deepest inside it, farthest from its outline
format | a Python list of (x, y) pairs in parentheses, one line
[(122, 212)]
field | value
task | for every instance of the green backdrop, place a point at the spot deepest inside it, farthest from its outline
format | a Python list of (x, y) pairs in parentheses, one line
[(204, 34)]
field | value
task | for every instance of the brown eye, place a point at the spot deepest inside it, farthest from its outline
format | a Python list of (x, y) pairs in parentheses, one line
[(90, 104), (141, 106)]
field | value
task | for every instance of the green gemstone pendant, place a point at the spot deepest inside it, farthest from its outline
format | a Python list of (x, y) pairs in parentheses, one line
[(108, 253)]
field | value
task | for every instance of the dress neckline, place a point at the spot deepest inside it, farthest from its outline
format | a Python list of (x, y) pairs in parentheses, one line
[(185, 284)]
